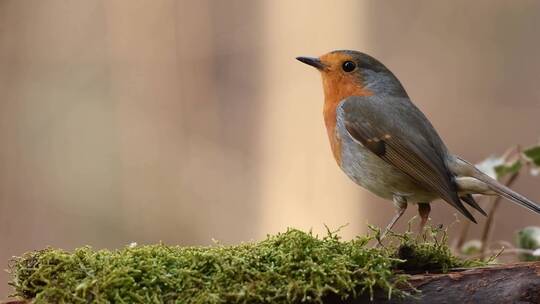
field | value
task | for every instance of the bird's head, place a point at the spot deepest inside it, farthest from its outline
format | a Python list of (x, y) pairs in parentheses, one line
[(351, 73)]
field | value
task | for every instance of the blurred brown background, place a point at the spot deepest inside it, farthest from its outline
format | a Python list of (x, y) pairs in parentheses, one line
[(183, 121)]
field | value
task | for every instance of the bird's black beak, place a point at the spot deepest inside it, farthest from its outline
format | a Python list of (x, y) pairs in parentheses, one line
[(314, 62)]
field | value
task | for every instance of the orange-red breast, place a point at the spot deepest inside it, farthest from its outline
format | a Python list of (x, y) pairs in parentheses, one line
[(385, 144)]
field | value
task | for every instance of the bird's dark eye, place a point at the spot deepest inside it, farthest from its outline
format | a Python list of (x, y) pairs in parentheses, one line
[(348, 66)]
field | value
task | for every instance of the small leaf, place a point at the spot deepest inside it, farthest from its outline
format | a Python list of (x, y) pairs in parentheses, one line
[(533, 153), (488, 165), (508, 168), (471, 247), (529, 238)]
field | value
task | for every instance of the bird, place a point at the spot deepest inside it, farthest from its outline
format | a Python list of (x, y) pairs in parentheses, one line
[(385, 144)]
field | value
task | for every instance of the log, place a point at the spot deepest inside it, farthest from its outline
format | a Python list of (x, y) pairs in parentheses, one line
[(511, 283)]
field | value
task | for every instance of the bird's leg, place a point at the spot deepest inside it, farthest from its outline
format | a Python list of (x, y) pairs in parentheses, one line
[(401, 205), (423, 211)]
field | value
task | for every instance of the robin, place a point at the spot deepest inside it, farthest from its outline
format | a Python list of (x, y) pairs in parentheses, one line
[(385, 144)]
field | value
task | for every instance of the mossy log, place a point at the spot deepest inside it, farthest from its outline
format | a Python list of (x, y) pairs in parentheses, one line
[(512, 283), (290, 267)]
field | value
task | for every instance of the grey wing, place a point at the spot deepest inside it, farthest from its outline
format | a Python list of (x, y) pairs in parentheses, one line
[(396, 131)]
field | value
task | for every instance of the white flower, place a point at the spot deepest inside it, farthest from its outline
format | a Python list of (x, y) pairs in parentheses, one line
[(488, 165)]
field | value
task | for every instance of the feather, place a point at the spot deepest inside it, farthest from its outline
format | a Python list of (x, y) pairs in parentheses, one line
[(396, 131)]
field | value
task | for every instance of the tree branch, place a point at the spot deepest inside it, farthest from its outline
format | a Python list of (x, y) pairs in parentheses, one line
[(512, 283)]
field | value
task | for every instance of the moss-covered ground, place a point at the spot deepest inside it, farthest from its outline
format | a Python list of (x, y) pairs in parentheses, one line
[(291, 267)]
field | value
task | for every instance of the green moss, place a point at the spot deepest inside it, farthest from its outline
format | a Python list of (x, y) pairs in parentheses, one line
[(429, 252), (290, 267)]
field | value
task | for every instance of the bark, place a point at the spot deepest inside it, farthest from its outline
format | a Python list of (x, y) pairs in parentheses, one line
[(512, 283)]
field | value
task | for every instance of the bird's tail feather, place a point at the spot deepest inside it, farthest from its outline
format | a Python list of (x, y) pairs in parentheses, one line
[(469, 200), (506, 192)]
